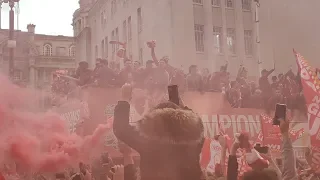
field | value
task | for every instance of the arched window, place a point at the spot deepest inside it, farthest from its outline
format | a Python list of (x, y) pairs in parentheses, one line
[(47, 50), (72, 51)]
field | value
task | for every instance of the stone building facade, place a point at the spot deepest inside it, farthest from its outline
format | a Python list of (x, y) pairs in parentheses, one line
[(36, 56), (208, 33)]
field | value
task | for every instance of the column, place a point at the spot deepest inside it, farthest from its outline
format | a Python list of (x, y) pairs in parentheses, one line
[(209, 40), (239, 32), (1, 14), (224, 31), (32, 72), (36, 81)]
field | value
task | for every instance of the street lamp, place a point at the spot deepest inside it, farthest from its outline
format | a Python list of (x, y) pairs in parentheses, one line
[(11, 41)]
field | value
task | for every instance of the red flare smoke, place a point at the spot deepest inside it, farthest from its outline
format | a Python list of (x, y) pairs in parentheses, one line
[(39, 141)]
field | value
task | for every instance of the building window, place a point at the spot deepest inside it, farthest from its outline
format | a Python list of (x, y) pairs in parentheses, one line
[(72, 51), (216, 3), (248, 42), (102, 49), (113, 46), (96, 52), (129, 28), (139, 14), (105, 16), (129, 36), (102, 18), (231, 40), (17, 75), (229, 4), (199, 37), (141, 55), (197, 2), (106, 46), (47, 50), (217, 35), (246, 5), (124, 31), (125, 3), (117, 38), (113, 7)]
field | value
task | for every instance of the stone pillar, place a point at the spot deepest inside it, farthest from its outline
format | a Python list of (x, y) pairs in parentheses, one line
[(209, 40), (240, 32), (224, 32), (32, 73)]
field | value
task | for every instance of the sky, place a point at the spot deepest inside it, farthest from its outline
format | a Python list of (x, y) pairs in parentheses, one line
[(52, 17)]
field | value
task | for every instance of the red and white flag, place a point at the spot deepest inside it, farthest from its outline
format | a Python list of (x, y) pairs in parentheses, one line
[(311, 91)]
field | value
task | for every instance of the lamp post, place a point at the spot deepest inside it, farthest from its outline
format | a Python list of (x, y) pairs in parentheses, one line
[(11, 41)]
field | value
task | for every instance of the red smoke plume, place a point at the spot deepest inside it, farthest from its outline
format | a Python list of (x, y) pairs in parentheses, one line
[(39, 142)]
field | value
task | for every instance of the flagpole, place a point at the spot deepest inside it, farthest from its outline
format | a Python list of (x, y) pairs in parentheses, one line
[(257, 23)]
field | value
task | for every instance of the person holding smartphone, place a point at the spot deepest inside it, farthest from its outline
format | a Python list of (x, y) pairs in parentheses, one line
[(169, 139)]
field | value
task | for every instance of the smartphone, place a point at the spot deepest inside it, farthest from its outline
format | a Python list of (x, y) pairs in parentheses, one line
[(261, 149), (173, 94), (281, 111)]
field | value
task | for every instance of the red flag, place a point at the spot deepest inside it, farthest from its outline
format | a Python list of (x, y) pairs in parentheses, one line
[(311, 91)]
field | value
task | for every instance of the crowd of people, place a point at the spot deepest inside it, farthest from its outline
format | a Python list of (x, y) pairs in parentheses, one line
[(158, 74), (169, 138)]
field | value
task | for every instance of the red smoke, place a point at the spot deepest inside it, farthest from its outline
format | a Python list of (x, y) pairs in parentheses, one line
[(39, 141)]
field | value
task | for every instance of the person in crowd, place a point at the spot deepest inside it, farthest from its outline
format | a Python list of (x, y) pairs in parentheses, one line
[(130, 169), (136, 65), (84, 173), (234, 94), (102, 167), (276, 97), (105, 77), (274, 84), (256, 100), (161, 76), (224, 74), (83, 74), (264, 84), (178, 78), (169, 139), (258, 164), (97, 67), (206, 76), (165, 59), (61, 176), (194, 79), (220, 80), (125, 74)]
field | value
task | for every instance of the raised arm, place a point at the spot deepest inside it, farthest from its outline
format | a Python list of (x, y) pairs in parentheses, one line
[(232, 173), (121, 127), (152, 45), (270, 72), (287, 153)]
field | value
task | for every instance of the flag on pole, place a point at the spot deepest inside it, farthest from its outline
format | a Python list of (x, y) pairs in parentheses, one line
[(311, 91)]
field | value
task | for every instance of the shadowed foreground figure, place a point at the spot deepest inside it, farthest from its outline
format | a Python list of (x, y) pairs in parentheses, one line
[(169, 139)]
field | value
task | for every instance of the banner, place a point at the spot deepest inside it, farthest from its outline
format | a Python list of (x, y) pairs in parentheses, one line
[(216, 113), (311, 90), (271, 134)]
